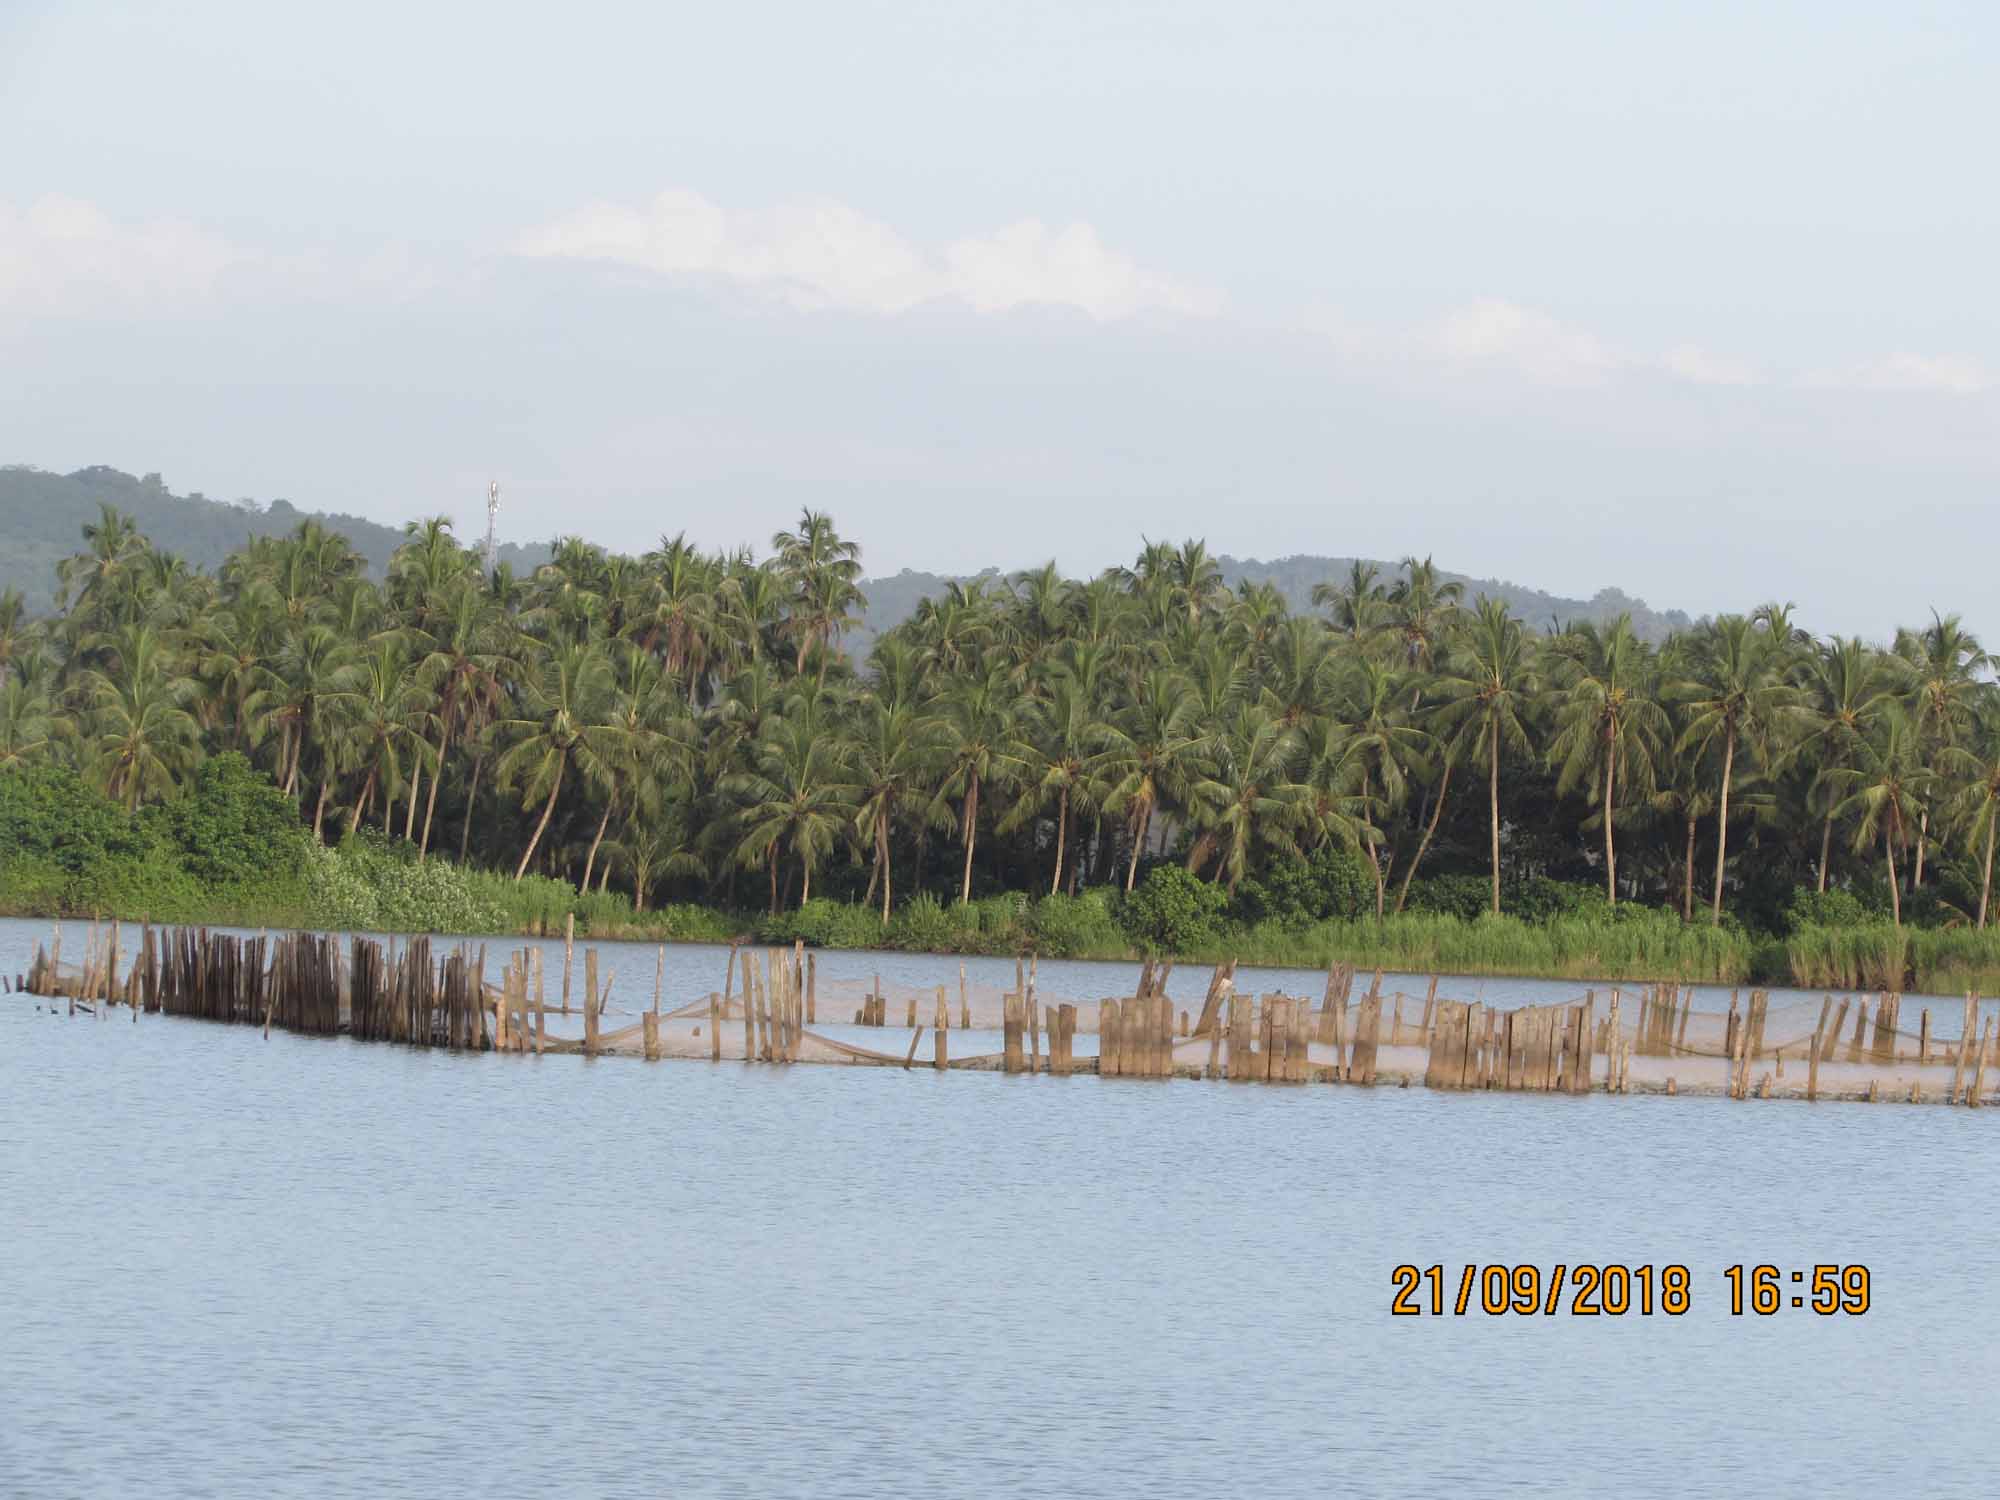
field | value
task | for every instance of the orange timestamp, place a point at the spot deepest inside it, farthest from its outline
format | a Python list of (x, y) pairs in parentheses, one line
[(1593, 1290)]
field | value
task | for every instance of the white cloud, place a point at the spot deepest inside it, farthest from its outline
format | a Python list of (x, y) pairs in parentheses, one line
[(1492, 337), (61, 253), (1494, 334), (1700, 366), (1949, 374), (822, 253)]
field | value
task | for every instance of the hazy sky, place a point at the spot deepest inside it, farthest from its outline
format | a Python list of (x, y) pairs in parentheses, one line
[(1694, 299)]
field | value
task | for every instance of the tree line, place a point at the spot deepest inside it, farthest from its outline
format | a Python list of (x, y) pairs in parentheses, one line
[(688, 722)]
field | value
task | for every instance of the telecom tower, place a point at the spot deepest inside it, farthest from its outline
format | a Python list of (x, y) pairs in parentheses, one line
[(492, 510)]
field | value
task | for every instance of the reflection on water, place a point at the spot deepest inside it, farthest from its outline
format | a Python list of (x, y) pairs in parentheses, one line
[(311, 1267)]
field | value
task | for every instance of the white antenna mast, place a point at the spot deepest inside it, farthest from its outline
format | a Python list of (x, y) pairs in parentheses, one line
[(492, 510)]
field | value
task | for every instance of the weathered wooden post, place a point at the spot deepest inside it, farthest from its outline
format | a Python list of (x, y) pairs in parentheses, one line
[(1034, 1032), (1011, 1030), (1367, 1036), (1924, 1037), (569, 954), (1979, 1066), (812, 989), (715, 1025), (651, 1023), (1812, 1070), (749, 1016), (659, 977), (964, 1003), (1107, 1038), (939, 1027)]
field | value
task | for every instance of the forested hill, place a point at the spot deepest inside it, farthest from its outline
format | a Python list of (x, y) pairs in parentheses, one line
[(42, 516), (893, 599)]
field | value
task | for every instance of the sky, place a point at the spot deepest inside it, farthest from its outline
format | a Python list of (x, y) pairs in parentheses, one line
[(1697, 301)]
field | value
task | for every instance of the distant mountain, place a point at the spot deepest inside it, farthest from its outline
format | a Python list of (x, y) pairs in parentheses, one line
[(893, 599), (42, 516)]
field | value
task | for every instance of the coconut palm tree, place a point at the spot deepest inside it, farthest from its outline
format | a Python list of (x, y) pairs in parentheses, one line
[(978, 746), (1150, 755), (1883, 793), (1608, 721), (1737, 697), (1484, 688), (1060, 736), (1848, 685), (563, 695), (1249, 794), (141, 734), (798, 800)]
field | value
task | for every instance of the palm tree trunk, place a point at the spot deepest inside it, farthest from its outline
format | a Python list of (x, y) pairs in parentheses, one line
[(1825, 849), (416, 775), (1895, 894), (1138, 843), (882, 859), (1437, 811), (1687, 874), (1923, 834), (805, 885), (1493, 804), (773, 863), (971, 832), (1610, 849), (471, 799), (548, 807), (874, 875), (431, 802), (361, 802), (319, 808), (1375, 862), (1722, 824), (1986, 879), (1062, 829), (590, 860)]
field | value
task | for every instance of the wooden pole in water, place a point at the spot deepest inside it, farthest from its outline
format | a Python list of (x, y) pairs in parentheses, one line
[(939, 1027), (910, 1056), (1034, 1032), (715, 1025), (569, 955), (1107, 1038), (749, 1015), (964, 1003), (812, 989), (1979, 1067), (1924, 1036), (659, 977), (651, 1023)]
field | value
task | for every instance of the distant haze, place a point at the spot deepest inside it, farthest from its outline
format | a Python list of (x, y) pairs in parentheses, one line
[(1693, 301)]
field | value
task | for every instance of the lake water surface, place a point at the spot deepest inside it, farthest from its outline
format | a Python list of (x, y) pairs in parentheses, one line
[(315, 1267)]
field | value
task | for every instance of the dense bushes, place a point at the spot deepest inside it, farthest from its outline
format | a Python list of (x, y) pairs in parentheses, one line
[(231, 850)]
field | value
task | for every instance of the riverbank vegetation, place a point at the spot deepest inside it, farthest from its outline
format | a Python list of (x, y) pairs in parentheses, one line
[(676, 744)]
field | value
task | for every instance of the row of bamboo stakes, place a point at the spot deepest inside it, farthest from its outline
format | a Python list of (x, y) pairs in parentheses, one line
[(296, 982)]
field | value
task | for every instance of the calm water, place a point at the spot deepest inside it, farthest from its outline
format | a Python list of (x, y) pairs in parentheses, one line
[(303, 1267)]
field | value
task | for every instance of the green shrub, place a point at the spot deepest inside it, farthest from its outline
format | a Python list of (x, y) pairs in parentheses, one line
[(1172, 911), (1810, 908), (822, 923), (1331, 882), (1082, 926), (232, 827)]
